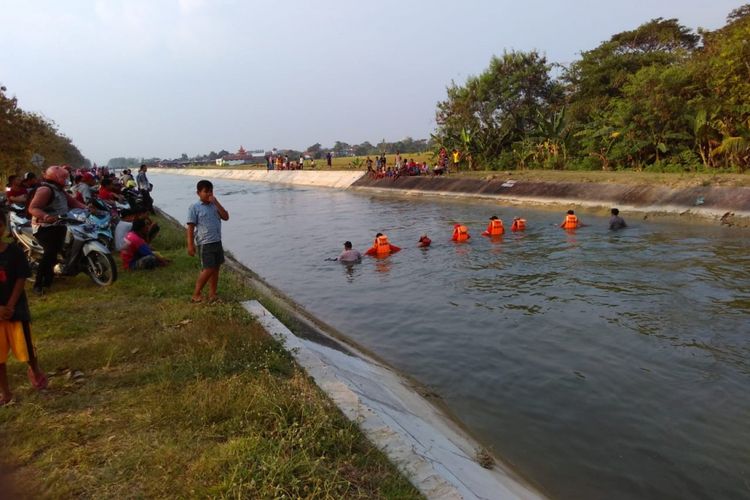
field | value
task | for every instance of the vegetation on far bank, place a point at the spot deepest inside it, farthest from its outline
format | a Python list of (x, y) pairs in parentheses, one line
[(658, 98), (151, 396)]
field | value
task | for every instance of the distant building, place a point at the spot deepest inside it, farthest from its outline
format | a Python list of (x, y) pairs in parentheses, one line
[(242, 157)]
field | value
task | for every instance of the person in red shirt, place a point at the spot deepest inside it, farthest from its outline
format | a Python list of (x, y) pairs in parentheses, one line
[(15, 192), (107, 193), (136, 253)]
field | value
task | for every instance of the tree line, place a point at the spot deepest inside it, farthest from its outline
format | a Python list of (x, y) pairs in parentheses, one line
[(24, 134), (657, 98)]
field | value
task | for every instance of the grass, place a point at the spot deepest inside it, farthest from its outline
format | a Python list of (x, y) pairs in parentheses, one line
[(176, 400)]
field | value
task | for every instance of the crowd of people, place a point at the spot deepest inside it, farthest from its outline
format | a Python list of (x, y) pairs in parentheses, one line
[(382, 247), (379, 168), (282, 162), (47, 201)]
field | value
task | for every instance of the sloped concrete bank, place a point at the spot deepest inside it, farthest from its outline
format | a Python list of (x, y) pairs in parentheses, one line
[(323, 178), (731, 205)]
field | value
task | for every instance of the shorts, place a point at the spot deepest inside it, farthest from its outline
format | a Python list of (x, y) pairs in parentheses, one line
[(211, 255), (15, 336)]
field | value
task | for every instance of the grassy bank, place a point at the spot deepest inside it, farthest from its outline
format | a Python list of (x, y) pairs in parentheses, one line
[(151, 396)]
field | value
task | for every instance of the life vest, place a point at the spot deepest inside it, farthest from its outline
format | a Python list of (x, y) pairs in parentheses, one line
[(571, 222), (518, 225), (461, 233), (382, 245), (495, 227)]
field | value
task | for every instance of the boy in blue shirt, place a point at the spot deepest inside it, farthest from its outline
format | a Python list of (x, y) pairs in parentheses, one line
[(204, 235)]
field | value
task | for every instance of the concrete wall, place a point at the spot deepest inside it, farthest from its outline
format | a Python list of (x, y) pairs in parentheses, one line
[(327, 178), (704, 201), (708, 201)]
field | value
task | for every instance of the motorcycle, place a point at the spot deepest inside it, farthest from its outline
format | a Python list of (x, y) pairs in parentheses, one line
[(81, 252)]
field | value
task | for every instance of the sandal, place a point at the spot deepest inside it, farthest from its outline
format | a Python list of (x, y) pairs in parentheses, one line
[(39, 383), (193, 300), (215, 300), (6, 402)]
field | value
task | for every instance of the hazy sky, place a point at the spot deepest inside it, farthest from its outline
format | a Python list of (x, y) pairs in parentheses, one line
[(165, 77)]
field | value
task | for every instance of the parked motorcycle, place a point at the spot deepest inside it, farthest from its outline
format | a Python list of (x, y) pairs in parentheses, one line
[(81, 252)]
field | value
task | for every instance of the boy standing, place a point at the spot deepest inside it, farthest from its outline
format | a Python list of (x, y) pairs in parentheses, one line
[(15, 330), (204, 233)]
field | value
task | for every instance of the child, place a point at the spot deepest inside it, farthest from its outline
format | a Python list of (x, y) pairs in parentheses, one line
[(135, 253), (204, 232), (15, 332)]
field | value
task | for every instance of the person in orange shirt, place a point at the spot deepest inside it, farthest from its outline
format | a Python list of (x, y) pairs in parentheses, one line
[(424, 241), (495, 227)]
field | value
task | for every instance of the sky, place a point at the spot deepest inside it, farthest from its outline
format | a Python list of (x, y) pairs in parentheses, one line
[(158, 78)]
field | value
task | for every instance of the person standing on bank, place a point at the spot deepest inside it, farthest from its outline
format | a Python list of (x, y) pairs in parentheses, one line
[(204, 234), (50, 202), (145, 187)]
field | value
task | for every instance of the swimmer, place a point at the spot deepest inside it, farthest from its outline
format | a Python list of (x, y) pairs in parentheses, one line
[(381, 246), (616, 222), (571, 221), (424, 241), (519, 224), (349, 255), (460, 233), (495, 227)]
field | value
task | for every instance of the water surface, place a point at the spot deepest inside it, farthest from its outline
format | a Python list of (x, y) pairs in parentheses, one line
[(599, 364)]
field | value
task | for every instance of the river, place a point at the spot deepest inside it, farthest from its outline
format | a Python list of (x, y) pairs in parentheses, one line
[(597, 364)]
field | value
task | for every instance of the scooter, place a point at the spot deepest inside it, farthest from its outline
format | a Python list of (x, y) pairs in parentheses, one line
[(81, 252)]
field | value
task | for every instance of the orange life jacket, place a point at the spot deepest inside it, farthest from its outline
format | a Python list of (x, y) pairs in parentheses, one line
[(518, 225), (571, 222), (382, 246), (495, 227), (461, 233)]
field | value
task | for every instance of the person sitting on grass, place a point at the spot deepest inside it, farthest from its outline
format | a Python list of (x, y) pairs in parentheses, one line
[(15, 318), (136, 254)]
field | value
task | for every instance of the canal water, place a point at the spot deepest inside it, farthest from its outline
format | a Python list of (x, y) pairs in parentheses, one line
[(598, 364)]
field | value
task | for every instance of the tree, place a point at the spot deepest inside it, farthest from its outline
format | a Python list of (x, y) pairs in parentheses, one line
[(501, 106), (316, 151)]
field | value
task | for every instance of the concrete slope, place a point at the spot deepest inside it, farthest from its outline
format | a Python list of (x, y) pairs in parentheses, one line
[(431, 451), (325, 178), (704, 200)]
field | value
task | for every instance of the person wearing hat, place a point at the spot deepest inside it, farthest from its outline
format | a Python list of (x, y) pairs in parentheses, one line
[(50, 202)]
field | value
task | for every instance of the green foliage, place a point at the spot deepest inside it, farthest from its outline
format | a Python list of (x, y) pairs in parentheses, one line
[(499, 107), (23, 134), (652, 98)]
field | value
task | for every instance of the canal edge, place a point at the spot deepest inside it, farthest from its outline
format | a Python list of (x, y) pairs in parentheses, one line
[(434, 455)]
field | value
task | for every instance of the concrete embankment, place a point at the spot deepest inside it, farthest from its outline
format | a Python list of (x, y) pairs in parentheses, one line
[(324, 178), (729, 203)]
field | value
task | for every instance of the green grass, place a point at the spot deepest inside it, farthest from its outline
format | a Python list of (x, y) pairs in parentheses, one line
[(176, 400)]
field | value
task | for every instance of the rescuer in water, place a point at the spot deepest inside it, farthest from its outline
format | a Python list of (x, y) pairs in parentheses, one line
[(571, 221), (460, 233), (519, 224), (381, 247), (495, 227), (424, 241)]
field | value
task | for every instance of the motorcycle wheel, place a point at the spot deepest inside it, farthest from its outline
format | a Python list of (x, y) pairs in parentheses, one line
[(101, 268)]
